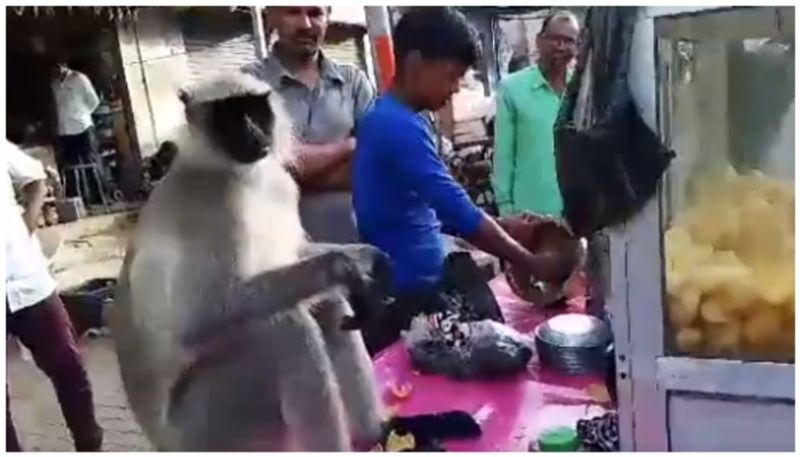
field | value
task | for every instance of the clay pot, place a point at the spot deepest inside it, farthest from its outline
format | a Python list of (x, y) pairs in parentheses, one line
[(541, 236)]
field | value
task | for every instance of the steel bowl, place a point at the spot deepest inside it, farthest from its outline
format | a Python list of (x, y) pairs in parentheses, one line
[(574, 344)]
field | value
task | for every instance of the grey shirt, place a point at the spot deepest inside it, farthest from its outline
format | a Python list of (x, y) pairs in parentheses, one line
[(330, 111)]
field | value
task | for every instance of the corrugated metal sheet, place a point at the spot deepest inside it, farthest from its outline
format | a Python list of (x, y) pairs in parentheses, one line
[(348, 14), (216, 54), (347, 51), (216, 40), (109, 13), (212, 55)]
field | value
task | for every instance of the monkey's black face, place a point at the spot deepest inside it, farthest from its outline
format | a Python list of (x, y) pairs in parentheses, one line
[(241, 126)]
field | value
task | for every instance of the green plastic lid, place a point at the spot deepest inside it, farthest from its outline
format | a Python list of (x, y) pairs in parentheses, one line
[(561, 439)]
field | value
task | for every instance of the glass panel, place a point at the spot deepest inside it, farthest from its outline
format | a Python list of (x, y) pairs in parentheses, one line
[(727, 109)]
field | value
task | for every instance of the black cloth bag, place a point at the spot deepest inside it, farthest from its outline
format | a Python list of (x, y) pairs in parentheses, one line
[(609, 161)]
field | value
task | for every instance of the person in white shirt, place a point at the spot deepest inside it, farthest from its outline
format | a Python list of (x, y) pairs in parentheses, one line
[(75, 101), (34, 312)]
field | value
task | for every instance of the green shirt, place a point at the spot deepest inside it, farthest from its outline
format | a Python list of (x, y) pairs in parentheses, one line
[(524, 173)]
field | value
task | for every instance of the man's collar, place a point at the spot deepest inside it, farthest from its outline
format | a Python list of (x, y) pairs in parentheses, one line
[(275, 68), (537, 77), (327, 68)]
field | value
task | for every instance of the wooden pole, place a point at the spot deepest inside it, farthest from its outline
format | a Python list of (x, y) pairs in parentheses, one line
[(258, 32), (380, 32)]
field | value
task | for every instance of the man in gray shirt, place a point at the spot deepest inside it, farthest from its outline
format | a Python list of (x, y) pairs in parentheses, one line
[(325, 101)]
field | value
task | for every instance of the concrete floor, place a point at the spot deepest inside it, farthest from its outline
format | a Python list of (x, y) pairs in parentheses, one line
[(89, 248), (37, 416)]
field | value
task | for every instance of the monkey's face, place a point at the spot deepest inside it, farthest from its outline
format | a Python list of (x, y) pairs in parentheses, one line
[(240, 126)]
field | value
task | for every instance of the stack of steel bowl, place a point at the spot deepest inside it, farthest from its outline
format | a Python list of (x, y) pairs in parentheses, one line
[(574, 344)]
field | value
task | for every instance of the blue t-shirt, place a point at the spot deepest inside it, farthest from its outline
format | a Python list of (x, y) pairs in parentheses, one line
[(402, 192)]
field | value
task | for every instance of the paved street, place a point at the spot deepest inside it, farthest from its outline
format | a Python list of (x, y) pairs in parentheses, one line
[(90, 248), (38, 418)]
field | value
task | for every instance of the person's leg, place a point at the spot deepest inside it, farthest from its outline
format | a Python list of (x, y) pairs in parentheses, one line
[(66, 157), (353, 370), (12, 444), (46, 330)]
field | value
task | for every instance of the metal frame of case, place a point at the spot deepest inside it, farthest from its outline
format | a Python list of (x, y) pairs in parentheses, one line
[(683, 403)]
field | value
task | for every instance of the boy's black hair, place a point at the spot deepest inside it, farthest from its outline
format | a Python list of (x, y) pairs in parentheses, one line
[(437, 33)]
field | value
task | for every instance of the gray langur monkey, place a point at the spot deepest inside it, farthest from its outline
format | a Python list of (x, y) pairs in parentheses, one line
[(226, 319)]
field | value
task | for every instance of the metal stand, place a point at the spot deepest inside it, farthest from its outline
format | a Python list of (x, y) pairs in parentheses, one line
[(82, 174)]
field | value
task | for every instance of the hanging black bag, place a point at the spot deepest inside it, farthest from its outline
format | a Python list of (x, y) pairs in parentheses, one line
[(609, 161)]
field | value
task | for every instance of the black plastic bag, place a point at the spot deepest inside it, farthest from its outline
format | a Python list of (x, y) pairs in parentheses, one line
[(462, 334), (446, 345), (609, 161)]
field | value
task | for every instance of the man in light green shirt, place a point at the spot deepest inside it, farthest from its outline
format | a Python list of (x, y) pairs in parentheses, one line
[(524, 172)]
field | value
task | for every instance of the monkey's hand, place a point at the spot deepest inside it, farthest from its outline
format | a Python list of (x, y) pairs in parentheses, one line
[(360, 269), (368, 275), (365, 264), (353, 265)]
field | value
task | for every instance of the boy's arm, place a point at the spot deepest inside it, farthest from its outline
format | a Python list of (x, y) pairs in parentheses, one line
[(416, 161), (504, 153), (422, 170)]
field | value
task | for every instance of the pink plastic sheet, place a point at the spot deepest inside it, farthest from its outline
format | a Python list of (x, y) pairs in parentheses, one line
[(512, 412)]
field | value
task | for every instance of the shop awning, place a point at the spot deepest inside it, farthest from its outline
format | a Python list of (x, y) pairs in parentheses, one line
[(110, 13), (503, 10)]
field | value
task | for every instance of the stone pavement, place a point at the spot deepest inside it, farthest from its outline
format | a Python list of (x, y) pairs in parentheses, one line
[(37, 416)]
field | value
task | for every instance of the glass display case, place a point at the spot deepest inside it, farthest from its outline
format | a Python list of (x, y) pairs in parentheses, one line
[(702, 280), (727, 108)]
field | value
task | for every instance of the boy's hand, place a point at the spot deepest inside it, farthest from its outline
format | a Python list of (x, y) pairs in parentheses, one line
[(554, 259)]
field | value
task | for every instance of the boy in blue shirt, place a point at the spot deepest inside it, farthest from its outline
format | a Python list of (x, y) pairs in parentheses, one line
[(402, 191)]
